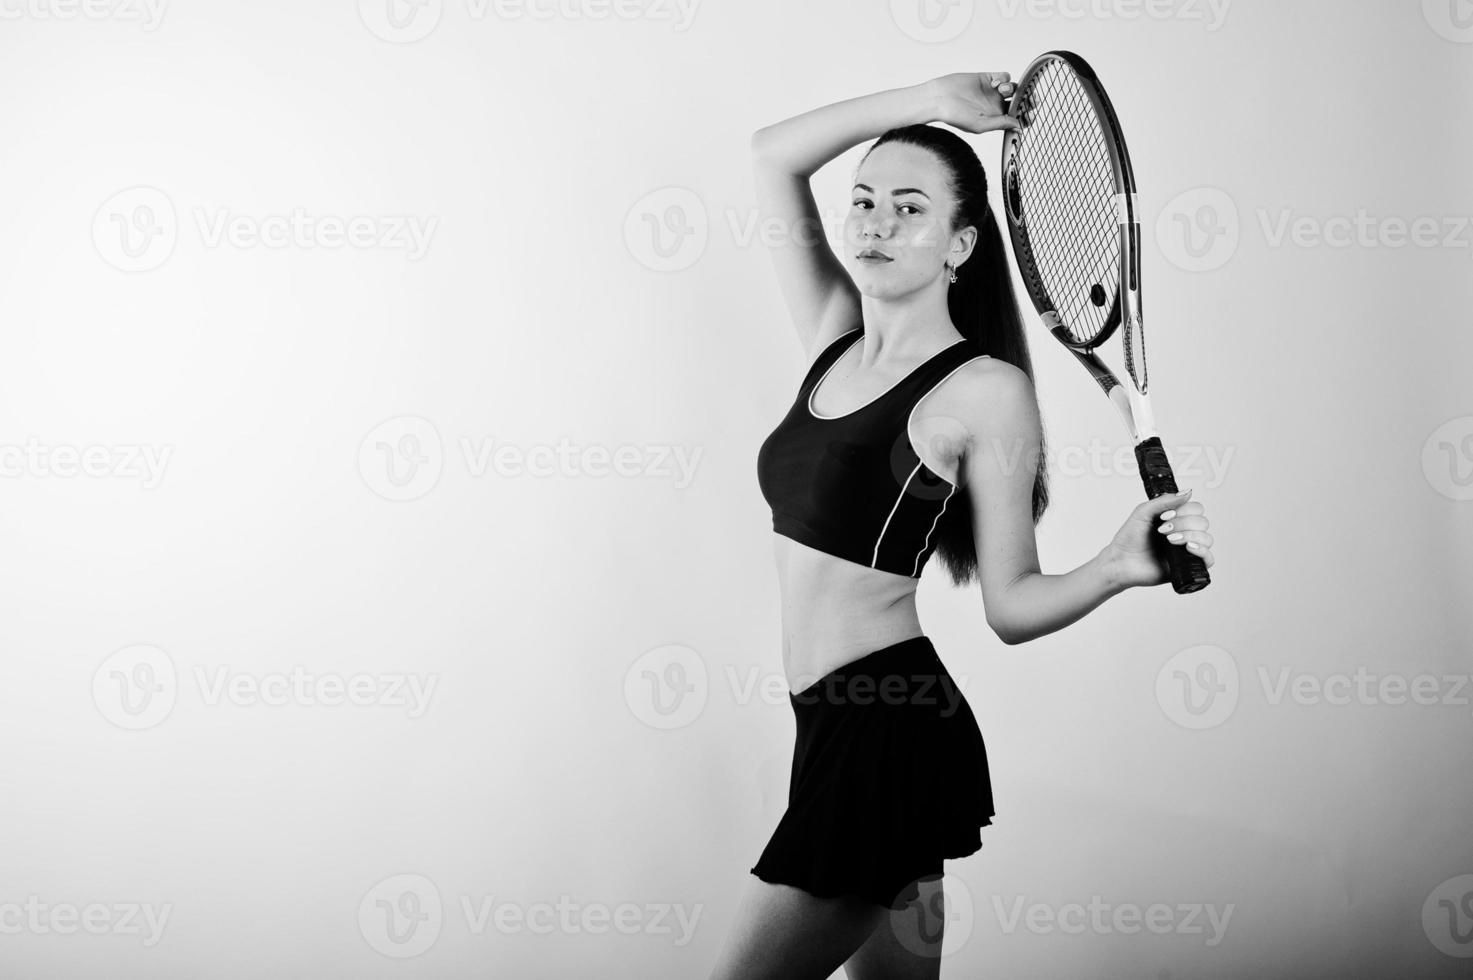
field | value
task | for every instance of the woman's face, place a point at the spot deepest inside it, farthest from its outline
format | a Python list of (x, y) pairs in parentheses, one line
[(898, 207)]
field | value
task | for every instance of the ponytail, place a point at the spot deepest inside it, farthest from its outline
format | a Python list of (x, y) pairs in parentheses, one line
[(983, 309)]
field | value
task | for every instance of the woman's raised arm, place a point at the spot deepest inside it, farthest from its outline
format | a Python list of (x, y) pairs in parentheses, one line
[(819, 294)]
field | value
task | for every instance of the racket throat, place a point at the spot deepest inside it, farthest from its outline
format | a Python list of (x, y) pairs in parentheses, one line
[(1120, 395), (1135, 409)]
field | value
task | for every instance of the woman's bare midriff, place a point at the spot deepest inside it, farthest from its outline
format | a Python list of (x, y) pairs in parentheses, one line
[(835, 611)]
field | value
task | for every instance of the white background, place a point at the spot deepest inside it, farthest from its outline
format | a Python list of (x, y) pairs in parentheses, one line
[(591, 275)]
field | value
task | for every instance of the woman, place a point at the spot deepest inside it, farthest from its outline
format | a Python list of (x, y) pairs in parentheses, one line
[(915, 431)]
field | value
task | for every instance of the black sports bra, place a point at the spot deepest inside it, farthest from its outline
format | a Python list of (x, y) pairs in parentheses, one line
[(852, 485)]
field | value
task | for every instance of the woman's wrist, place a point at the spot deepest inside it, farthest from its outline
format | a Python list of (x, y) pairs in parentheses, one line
[(1106, 565), (927, 102)]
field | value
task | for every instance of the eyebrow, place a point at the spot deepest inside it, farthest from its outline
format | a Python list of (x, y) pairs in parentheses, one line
[(897, 191)]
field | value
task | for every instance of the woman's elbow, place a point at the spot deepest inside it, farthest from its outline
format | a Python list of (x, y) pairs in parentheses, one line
[(758, 142), (1005, 633)]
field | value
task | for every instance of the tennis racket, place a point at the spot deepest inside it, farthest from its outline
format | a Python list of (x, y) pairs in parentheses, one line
[(1069, 194)]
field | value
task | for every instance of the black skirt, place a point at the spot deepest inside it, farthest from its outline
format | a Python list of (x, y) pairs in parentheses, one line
[(889, 777)]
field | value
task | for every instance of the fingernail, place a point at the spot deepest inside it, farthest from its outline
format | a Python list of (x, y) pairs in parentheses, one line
[(1174, 537), (1168, 515)]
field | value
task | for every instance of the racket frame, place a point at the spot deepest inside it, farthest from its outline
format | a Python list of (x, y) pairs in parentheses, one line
[(1188, 571)]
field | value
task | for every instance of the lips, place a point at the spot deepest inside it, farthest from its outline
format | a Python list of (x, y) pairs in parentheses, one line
[(869, 255)]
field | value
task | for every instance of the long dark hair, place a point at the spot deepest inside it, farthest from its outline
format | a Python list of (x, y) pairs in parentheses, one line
[(983, 309)]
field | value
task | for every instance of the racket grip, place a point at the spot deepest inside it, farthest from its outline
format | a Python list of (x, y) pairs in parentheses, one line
[(1188, 571)]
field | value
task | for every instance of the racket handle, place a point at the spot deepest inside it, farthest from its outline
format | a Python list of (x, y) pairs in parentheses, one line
[(1188, 571)]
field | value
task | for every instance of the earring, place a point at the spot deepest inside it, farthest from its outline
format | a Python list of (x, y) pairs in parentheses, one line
[(952, 269)]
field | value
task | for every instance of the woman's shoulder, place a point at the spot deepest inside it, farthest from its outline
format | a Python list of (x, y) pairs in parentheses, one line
[(984, 377), (987, 393)]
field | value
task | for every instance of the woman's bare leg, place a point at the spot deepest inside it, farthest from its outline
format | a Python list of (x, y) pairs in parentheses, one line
[(907, 944), (784, 933)]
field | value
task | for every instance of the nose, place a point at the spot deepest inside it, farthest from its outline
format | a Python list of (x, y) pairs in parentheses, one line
[(872, 226)]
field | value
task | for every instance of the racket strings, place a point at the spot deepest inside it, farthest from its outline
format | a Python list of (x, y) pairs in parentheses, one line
[(1067, 195), (1132, 351)]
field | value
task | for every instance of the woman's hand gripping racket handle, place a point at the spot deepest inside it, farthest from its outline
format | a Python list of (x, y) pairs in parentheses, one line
[(1188, 572)]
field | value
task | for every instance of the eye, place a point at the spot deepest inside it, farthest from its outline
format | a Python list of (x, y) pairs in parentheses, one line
[(913, 209)]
